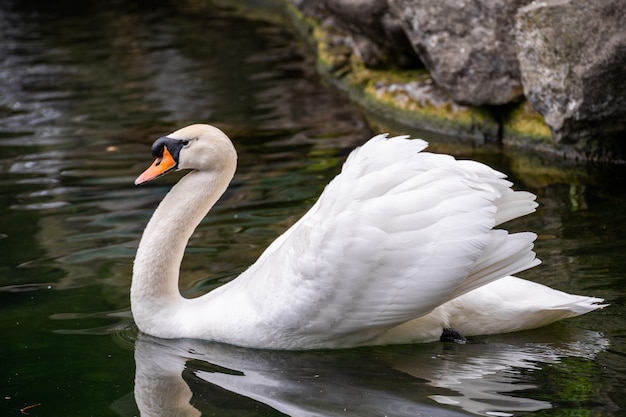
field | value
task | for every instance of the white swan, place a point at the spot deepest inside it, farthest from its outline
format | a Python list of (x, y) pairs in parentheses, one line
[(400, 247)]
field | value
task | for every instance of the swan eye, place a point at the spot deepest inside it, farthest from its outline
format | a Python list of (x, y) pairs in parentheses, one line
[(184, 142)]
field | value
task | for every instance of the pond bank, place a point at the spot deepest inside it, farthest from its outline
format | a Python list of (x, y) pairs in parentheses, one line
[(417, 97)]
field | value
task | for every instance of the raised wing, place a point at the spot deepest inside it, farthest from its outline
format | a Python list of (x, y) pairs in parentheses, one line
[(397, 233)]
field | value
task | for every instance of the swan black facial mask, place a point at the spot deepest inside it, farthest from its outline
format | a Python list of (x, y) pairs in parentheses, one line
[(166, 151)]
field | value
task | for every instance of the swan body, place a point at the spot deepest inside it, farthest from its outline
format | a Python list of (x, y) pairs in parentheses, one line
[(401, 245)]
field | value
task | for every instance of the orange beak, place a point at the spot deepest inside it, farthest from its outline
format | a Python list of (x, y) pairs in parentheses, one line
[(160, 166)]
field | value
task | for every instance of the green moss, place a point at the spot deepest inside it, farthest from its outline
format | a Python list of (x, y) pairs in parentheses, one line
[(521, 121), (419, 104)]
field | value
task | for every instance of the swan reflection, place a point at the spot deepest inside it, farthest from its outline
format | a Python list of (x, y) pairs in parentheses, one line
[(192, 378)]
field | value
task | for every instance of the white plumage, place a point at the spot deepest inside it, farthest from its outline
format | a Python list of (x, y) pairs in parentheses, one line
[(400, 245)]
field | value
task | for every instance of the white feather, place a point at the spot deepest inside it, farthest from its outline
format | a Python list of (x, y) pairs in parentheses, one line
[(392, 251)]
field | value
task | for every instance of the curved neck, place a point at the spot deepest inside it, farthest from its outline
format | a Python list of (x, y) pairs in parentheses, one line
[(154, 290)]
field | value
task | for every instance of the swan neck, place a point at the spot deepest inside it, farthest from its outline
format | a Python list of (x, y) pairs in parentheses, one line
[(154, 291)]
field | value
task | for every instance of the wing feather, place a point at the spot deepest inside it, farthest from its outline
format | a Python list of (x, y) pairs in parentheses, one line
[(397, 233)]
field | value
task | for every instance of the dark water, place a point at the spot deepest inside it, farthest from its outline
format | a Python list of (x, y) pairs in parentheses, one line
[(84, 89)]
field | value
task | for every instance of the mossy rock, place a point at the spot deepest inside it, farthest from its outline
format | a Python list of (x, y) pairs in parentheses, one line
[(410, 97)]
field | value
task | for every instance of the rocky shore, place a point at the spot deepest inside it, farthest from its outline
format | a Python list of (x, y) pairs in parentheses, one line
[(546, 75)]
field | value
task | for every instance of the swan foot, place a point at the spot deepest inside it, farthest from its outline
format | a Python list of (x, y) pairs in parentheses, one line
[(452, 336)]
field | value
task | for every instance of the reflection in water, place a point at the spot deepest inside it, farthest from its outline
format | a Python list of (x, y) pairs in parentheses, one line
[(183, 377), (487, 377)]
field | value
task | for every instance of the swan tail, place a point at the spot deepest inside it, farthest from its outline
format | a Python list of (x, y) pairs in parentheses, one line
[(506, 305), (513, 304), (580, 305), (539, 297)]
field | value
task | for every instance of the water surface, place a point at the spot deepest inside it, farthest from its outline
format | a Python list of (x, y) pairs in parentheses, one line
[(84, 89)]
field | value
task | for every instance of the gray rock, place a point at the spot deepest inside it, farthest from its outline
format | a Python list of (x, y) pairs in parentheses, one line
[(568, 57), (376, 37), (572, 56), (467, 45)]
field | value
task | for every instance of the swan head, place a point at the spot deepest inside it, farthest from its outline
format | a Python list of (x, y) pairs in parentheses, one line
[(200, 147)]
